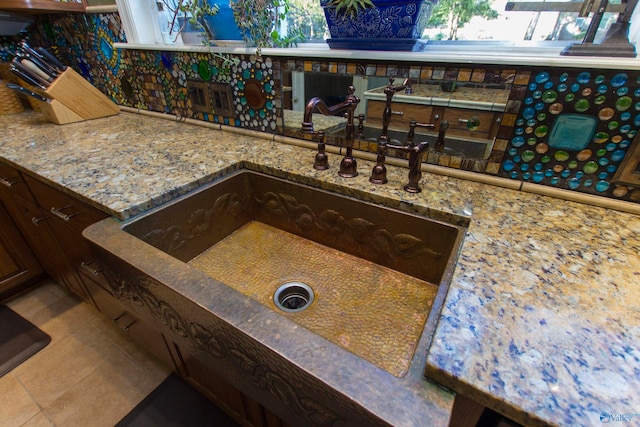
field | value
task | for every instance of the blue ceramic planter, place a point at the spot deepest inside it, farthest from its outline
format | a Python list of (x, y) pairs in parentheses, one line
[(222, 24), (390, 25)]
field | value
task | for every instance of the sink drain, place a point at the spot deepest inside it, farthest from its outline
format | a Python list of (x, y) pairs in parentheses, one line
[(293, 297)]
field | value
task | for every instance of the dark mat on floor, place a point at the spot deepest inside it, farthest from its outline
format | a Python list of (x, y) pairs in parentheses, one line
[(19, 339), (176, 403)]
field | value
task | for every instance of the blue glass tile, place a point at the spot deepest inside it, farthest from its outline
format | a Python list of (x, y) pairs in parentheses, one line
[(526, 176), (572, 131), (555, 180), (602, 186), (538, 177), (588, 183), (612, 168), (518, 141), (508, 165), (514, 174), (542, 77), (619, 79), (548, 173), (573, 183), (584, 77), (617, 155), (603, 175)]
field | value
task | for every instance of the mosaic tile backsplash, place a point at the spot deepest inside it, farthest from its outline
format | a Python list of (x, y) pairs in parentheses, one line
[(565, 128)]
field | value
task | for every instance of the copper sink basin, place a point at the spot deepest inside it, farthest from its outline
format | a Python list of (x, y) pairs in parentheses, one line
[(379, 275)]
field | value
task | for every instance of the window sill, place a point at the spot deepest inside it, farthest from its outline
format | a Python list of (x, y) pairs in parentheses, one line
[(458, 52)]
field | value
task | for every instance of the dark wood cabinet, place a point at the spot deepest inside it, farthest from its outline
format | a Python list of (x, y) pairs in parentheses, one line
[(19, 268), (52, 224)]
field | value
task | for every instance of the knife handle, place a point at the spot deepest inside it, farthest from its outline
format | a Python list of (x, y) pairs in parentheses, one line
[(35, 69), (34, 76), (26, 77)]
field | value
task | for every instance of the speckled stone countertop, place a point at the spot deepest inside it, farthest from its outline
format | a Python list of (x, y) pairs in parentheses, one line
[(542, 318), (462, 97)]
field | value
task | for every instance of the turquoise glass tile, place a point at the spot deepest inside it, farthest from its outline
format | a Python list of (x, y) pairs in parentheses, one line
[(572, 131)]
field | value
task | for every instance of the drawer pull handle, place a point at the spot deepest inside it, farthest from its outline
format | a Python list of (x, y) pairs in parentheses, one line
[(115, 319), (36, 221), (398, 113), (87, 267), (473, 123), (126, 328), (8, 183), (62, 216)]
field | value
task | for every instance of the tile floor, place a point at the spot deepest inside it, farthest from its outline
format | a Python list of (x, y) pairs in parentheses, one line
[(91, 374)]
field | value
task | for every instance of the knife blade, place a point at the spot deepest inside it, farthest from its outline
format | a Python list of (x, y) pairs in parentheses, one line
[(27, 78), (26, 91)]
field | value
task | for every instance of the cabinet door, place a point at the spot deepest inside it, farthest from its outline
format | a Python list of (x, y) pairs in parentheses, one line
[(43, 234), (18, 266)]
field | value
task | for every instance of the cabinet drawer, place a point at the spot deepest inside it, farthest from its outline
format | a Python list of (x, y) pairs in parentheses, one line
[(475, 123), (401, 114), (14, 182), (140, 331), (76, 214)]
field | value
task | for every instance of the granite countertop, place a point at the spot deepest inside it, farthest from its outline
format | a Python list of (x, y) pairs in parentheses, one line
[(542, 318), (462, 97)]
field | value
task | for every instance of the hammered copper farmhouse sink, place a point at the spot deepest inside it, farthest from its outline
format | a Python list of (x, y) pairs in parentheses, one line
[(366, 278)]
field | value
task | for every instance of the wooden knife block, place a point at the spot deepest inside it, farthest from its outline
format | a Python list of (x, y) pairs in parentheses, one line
[(73, 99)]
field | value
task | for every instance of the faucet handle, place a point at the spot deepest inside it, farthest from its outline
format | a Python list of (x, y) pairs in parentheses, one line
[(412, 132), (439, 145), (360, 119), (321, 161), (379, 172)]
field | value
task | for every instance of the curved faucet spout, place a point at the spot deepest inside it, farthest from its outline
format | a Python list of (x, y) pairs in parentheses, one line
[(316, 103), (348, 167)]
